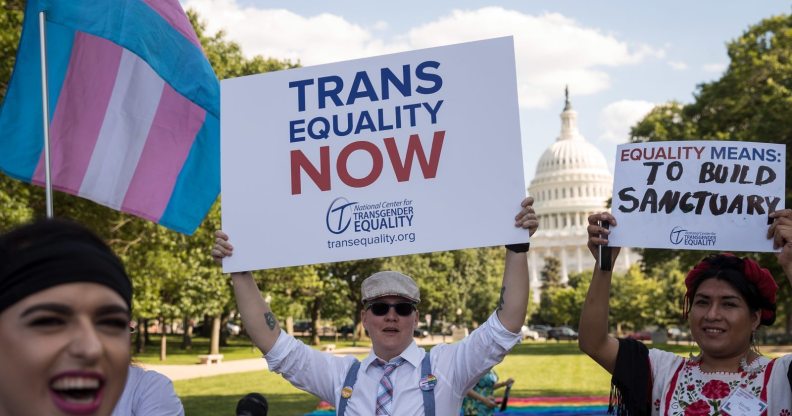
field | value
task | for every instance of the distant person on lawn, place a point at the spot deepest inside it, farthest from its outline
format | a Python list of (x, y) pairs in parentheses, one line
[(397, 377), (480, 400)]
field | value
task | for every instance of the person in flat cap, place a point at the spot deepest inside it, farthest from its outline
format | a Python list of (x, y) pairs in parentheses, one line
[(64, 322), (397, 377)]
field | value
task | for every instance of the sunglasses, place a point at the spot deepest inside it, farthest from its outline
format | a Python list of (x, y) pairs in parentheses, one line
[(382, 308)]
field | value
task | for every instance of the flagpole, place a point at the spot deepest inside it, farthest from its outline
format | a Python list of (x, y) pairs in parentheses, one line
[(45, 104)]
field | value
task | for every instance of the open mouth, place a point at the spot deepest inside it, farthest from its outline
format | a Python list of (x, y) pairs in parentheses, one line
[(391, 330), (713, 331), (77, 393)]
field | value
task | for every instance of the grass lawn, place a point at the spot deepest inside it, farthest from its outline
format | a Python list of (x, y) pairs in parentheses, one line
[(552, 369), (238, 348)]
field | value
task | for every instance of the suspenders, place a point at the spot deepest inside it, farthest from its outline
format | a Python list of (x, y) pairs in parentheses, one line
[(346, 392), (427, 384)]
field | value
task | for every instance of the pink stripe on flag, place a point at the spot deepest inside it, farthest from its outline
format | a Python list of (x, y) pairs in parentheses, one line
[(170, 139), (172, 12), (80, 111)]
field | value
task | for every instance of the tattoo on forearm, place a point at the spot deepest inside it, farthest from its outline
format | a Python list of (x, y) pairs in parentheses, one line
[(501, 301), (270, 320)]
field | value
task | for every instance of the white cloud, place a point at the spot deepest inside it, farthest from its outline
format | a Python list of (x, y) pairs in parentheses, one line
[(551, 50), (715, 68), (677, 65), (282, 34), (380, 25), (617, 118)]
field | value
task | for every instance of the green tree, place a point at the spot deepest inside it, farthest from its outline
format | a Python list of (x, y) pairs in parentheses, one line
[(632, 300), (16, 199), (752, 101), (484, 277), (551, 272), (551, 284), (670, 290), (10, 30)]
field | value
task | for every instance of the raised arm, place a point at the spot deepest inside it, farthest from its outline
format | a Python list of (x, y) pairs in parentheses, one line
[(503, 383), (489, 402), (513, 300), (781, 233), (593, 337), (260, 322)]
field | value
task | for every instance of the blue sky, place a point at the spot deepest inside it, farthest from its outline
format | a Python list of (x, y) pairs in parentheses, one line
[(618, 57)]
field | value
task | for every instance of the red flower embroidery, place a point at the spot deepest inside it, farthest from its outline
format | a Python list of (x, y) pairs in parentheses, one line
[(698, 408), (784, 412), (691, 387), (715, 389)]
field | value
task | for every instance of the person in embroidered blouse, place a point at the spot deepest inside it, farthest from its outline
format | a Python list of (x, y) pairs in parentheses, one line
[(727, 299)]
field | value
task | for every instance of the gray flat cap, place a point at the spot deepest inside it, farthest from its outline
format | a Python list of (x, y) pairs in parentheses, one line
[(390, 283)]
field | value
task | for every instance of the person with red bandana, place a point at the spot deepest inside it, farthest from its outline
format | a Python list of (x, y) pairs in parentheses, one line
[(397, 377), (727, 299)]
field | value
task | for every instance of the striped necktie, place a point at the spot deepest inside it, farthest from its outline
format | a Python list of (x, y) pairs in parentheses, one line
[(385, 392)]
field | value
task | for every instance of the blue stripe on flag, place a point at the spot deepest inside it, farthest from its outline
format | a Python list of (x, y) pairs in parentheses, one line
[(133, 25), (21, 130), (198, 183)]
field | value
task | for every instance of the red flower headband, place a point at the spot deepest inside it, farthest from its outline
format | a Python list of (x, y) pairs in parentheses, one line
[(756, 274)]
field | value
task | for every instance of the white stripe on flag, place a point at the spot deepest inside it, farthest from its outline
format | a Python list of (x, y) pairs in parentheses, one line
[(123, 134)]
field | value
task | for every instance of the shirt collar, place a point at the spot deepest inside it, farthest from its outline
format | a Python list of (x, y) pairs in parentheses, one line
[(411, 354)]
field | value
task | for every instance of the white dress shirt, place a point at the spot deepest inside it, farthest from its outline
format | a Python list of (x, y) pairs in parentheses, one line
[(148, 393), (457, 367)]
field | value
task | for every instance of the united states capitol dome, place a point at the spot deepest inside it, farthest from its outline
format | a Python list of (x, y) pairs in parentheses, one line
[(571, 174), (572, 181)]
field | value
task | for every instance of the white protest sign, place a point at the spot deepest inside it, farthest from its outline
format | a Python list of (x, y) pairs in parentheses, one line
[(398, 154), (697, 195)]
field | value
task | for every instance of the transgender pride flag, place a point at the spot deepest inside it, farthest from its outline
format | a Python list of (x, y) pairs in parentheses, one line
[(134, 109)]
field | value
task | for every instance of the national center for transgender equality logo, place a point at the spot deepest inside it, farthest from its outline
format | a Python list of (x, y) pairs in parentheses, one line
[(339, 215), (367, 217), (677, 235), (689, 238)]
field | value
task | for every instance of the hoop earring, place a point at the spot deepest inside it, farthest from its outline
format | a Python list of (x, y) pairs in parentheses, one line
[(693, 343)]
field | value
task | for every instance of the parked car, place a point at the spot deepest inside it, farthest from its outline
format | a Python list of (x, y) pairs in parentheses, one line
[(233, 329), (302, 326), (562, 332), (640, 335), (542, 330), (677, 334), (230, 328), (529, 333), (346, 330), (420, 332)]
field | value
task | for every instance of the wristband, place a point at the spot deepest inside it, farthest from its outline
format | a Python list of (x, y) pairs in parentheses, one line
[(518, 248)]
